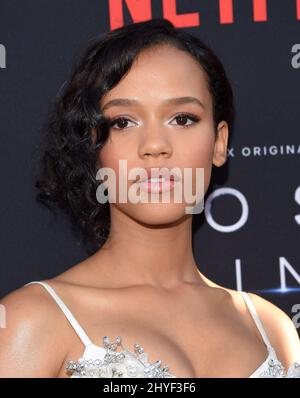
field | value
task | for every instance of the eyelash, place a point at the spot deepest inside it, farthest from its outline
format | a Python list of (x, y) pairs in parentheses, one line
[(194, 118)]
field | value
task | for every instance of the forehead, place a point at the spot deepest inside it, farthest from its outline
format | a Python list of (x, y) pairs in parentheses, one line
[(162, 72)]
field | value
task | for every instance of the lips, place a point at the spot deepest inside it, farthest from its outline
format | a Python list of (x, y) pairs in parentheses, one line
[(156, 186), (159, 179), (163, 173)]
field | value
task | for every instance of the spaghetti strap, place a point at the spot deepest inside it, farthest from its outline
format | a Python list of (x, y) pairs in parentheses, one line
[(256, 318), (75, 324)]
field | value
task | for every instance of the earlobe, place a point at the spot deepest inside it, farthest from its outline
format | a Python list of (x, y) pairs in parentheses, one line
[(220, 149)]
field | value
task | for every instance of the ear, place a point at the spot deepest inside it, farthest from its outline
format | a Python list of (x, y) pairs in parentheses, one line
[(220, 149)]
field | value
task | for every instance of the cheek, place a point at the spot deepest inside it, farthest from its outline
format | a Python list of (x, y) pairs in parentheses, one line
[(198, 153), (120, 148), (110, 157), (198, 150)]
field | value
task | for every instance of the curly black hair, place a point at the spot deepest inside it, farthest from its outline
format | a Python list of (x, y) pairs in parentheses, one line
[(68, 161)]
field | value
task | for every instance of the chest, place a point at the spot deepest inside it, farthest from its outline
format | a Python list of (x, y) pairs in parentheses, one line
[(190, 343)]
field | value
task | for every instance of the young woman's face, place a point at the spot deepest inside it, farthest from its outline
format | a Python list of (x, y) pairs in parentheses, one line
[(152, 131)]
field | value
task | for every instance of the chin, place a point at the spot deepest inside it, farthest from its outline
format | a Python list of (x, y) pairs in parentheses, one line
[(157, 213)]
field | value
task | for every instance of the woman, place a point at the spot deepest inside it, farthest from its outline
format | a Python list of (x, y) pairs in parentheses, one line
[(140, 289)]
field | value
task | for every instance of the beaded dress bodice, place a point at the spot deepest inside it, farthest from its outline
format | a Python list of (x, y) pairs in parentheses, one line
[(99, 362), (115, 360)]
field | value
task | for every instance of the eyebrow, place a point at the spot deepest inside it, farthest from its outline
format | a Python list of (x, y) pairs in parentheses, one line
[(172, 101)]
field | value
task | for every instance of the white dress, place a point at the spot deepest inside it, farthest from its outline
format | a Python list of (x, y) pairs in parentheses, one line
[(106, 361)]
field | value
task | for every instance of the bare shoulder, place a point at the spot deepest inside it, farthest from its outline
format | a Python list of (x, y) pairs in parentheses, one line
[(30, 346), (279, 328)]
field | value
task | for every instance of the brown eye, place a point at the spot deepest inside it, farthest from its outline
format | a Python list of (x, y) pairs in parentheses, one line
[(121, 122), (184, 117)]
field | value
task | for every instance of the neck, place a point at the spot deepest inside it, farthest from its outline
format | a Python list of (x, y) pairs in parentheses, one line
[(158, 255)]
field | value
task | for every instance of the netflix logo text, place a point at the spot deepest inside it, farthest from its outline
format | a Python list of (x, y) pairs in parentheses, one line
[(141, 10)]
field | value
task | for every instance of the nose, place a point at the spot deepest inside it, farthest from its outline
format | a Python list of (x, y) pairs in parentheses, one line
[(154, 144)]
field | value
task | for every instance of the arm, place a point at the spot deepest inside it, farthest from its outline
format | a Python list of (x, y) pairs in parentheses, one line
[(280, 329), (29, 344)]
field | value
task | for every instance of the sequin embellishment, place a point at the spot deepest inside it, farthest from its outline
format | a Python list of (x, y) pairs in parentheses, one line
[(126, 363), (119, 364), (275, 369)]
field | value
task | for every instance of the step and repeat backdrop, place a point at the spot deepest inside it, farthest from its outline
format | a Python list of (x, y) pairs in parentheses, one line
[(248, 237)]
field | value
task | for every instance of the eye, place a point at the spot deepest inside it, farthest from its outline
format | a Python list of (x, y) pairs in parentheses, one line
[(121, 122), (183, 117)]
